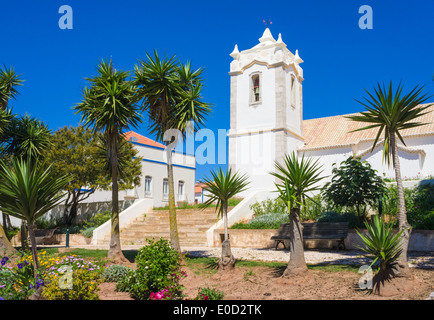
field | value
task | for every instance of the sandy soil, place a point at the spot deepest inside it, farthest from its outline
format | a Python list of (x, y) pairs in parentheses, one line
[(264, 283)]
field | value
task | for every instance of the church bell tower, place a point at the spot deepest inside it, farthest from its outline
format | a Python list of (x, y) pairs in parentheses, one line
[(266, 108)]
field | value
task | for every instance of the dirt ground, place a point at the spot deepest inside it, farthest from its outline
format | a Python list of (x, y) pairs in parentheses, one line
[(265, 283)]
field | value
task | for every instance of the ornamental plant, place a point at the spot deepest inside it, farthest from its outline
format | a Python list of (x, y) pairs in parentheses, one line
[(115, 273), (158, 268), (209, 294), (84, 286), (381, 243), (17, 280)]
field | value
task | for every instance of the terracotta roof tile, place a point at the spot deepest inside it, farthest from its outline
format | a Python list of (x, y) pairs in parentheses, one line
[(142, 139), (334, 131)]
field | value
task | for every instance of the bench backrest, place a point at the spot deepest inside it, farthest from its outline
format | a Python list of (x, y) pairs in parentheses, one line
[(319, 230), (44, 232)]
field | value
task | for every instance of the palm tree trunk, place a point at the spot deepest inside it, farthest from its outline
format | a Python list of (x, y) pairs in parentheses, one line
[(24, 236), (402, 268), (30, 226), (297, 263), (115, 251), (174, 237), (227, 260)]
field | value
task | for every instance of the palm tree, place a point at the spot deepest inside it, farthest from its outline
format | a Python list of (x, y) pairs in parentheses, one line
[(172, 96), (27, 137), (9, 81), (223, 186), (391, 112), (298, 178), (27, 191), (110, 106)]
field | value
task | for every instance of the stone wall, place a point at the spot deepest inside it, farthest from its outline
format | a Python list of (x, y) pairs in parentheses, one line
[(421, 240)]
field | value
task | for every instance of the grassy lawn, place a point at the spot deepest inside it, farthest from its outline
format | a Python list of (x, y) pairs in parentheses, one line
[(205, 265)]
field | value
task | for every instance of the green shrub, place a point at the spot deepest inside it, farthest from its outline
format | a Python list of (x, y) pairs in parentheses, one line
[(333, 216), (265, 221), (209, 294), (98, 219), (419, 202), (115, 273), (269, 206), (158, 268), (88, 232)]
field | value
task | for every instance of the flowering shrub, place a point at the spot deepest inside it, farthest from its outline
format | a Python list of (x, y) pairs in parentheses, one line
[(209, 294), (17, 280), (158, 269), (84, 286), (162, 295)]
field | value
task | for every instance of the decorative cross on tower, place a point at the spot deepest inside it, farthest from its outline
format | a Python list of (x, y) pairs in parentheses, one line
[(267, 23)]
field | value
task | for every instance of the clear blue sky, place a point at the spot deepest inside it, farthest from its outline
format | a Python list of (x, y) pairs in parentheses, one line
[(340, 59)]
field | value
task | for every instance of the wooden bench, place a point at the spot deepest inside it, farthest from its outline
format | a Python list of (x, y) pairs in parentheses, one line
[(336, 231), (44, 236)]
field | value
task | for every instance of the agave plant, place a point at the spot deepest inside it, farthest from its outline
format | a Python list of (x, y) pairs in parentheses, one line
[(381, 243)]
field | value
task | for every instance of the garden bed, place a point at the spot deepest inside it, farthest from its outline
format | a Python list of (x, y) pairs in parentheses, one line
[(262, 281)]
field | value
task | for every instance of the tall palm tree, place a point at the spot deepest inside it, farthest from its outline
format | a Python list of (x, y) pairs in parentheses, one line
[(109, 105), (171, 94), (297, 179), (9, 81), (27, 191), (223, 186), (391, 112)]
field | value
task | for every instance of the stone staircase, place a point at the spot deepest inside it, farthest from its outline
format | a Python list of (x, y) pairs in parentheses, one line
[(192, 227)]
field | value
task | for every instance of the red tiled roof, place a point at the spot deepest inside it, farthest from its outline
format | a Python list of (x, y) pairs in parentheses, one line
[(334, 131), (142, 139)]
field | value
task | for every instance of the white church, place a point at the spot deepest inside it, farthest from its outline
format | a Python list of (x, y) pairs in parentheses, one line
[(266, 121)]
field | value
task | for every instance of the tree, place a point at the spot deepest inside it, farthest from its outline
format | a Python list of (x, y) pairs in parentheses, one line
[(109, 106), (171, 94), (298, 178), (27, 137), (27, 191), (223, 186), (391, 113), (9, 81), (354, 184), (81, 154)]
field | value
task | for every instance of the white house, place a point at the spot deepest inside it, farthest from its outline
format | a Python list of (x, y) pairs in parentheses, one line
[(266, 121), (154, 178)]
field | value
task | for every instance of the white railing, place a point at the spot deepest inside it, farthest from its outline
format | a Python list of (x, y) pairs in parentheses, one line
[(241, 211)]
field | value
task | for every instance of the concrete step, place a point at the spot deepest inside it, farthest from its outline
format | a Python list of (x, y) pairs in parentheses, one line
[(192, 226)]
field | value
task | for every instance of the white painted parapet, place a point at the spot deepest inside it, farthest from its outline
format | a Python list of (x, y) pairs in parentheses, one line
[(138, 208)]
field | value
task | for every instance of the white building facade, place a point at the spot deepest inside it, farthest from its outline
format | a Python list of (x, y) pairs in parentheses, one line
[(266, 121), (154, 178)]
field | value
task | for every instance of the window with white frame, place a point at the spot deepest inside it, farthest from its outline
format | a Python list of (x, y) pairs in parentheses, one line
[(165, 189), (181, 195), (148, 186)]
